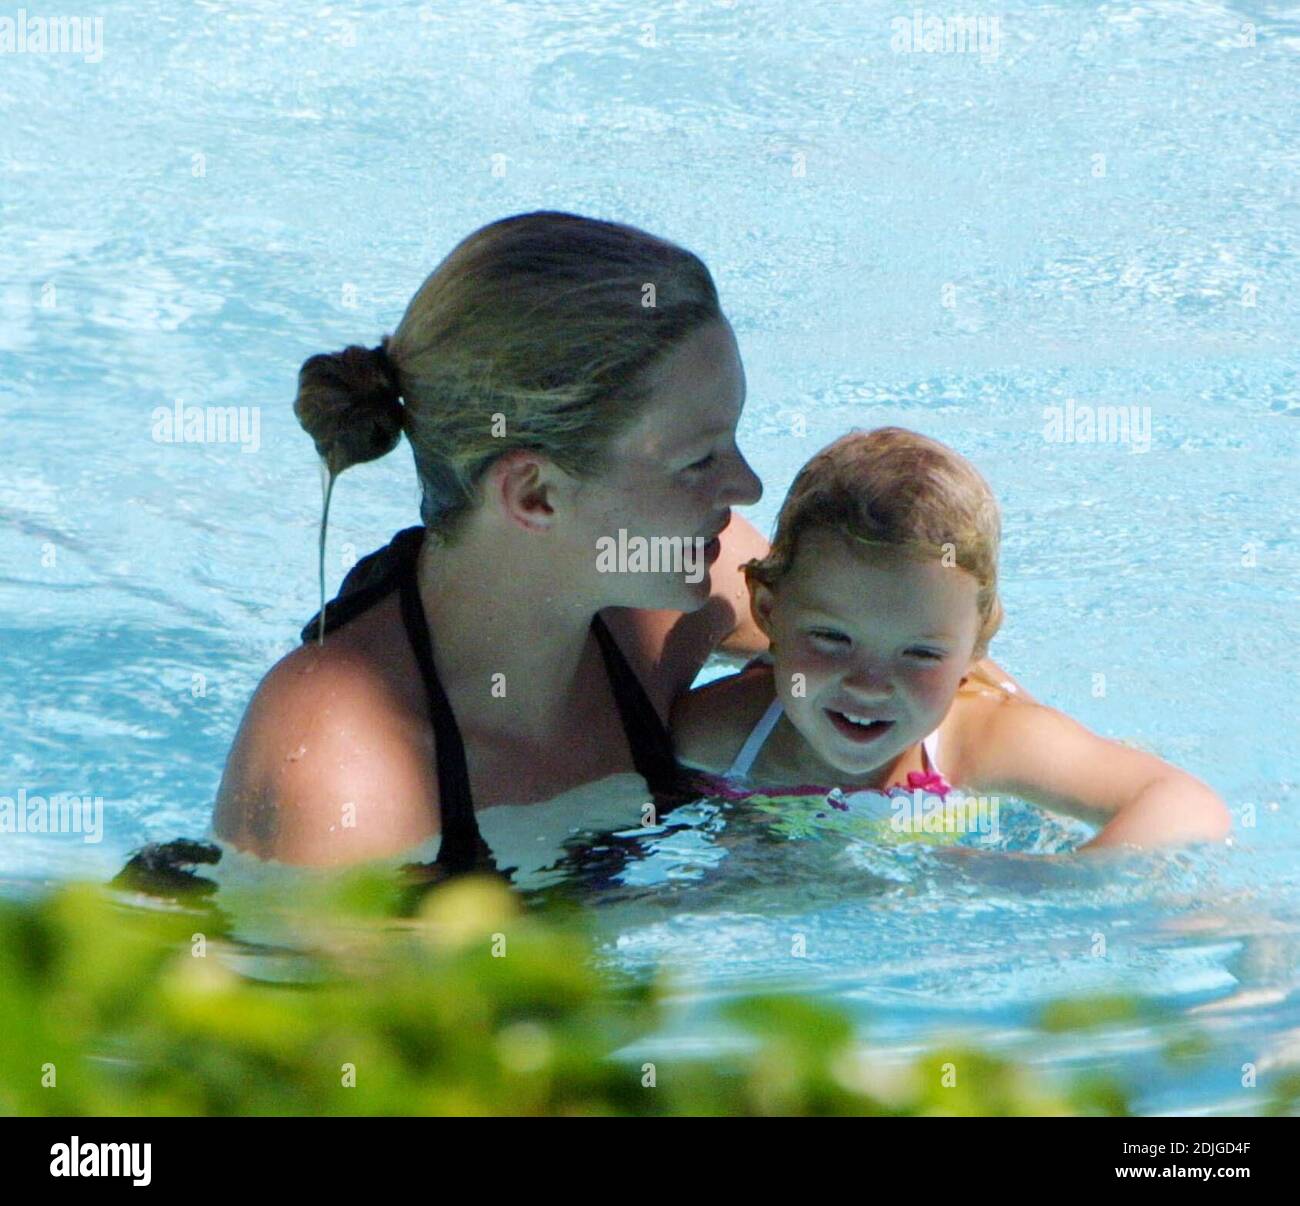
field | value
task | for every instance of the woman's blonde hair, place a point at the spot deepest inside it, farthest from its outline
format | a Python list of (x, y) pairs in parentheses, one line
[(892, 489), (533, 333)]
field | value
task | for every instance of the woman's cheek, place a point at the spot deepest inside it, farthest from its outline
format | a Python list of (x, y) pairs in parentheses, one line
[(652, 507), (688, 510)]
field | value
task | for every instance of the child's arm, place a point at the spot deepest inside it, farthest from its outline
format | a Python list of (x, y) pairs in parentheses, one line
[(1040, 754)]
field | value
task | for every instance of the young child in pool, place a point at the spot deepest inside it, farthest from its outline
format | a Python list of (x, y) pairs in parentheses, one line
[(879, 596)]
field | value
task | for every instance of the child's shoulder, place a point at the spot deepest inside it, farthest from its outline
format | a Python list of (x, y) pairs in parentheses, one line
[(710, 724), (972, 722)]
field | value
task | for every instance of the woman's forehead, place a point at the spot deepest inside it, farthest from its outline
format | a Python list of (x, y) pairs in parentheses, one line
[(696, 390)]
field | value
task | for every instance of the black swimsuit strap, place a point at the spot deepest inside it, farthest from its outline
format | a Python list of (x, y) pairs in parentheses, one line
[(652, 747), (373, 578), (462, 847)]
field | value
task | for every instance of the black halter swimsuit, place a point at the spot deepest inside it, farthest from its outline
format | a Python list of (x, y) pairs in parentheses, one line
[(463, 848)]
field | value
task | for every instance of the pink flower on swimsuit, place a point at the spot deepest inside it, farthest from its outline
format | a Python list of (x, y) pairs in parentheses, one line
[(931, 781)]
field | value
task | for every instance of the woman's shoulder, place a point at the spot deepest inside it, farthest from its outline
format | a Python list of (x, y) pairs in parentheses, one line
[(710, 724), (331, 752)]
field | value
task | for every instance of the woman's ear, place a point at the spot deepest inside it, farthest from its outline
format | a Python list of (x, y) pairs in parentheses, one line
[(523, 483)]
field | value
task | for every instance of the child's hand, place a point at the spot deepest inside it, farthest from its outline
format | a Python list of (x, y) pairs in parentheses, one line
[(1023, 871)]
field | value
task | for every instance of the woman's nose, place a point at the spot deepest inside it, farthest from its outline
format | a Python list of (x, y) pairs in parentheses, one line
[(743, 484)]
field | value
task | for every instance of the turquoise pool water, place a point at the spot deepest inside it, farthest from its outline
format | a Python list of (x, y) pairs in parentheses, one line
[(1099, 210)]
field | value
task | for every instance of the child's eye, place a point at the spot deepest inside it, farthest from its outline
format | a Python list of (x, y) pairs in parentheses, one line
[(929, 655), (703, 463), (828, 636)]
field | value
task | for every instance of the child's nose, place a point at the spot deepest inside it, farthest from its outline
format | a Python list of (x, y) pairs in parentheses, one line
[(869, 682)]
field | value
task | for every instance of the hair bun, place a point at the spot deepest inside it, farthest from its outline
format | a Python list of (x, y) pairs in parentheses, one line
[(349, 402)]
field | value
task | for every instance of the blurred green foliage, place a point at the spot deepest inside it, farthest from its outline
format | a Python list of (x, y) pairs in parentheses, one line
[(472, 1006)]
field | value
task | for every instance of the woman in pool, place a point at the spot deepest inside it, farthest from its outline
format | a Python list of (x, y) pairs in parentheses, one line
[(880, 597), (560, 380)]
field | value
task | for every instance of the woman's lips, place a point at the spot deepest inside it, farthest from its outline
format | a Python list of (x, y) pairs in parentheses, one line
[(860, 734)]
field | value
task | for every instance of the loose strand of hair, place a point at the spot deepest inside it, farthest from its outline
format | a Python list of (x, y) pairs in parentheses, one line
[(328, 477)]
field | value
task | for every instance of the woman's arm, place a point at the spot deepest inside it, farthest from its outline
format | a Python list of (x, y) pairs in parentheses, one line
[(672, 646), (1040, 754), (741, 542)]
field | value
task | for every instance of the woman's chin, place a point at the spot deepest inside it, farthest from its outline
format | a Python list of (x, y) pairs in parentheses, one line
[(666, 592), (696, 593)]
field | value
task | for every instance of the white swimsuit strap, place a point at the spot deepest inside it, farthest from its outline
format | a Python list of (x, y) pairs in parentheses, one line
[(739, 769), (931, 746)]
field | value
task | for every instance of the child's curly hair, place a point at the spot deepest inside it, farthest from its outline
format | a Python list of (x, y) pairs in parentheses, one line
[(897, 490)]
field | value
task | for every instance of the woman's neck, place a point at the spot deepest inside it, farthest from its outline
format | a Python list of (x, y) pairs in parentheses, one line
[(512, 646)]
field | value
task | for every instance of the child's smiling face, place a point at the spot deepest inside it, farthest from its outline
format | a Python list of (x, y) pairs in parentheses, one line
[(876, 636)]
